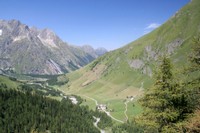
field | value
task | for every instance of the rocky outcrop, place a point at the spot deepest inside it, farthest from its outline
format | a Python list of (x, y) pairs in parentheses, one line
[(152, 54), (136, 64), (171, 47), (139, 64)]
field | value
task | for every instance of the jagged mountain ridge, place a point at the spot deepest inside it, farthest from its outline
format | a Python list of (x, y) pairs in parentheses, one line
[(28, 50)]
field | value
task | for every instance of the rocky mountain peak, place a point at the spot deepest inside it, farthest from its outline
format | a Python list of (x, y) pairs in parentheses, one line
[(47, 34), (101, 51), (14, 23), (30, 50), (94, 52), (88, 48), (49, 38), (14, 30), (35, 30)]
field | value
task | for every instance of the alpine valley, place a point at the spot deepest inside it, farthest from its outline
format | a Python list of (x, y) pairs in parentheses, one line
[(151, 85), (120, 77)]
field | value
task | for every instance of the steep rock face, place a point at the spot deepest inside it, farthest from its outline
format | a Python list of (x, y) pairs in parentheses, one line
[(32, 51)]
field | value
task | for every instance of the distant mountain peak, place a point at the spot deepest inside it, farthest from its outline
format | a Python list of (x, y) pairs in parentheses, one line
[(30, 50), (14, 22), (101, 51), (94, 52), (49, 38)]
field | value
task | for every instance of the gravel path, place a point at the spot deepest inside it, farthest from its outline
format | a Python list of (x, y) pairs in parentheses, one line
[(108, 113), (95, 124)]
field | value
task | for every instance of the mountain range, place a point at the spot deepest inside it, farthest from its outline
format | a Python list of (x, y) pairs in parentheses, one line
[(114, 83), (28, 50)]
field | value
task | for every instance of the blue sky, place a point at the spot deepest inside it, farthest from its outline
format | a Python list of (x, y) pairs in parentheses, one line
[(99, 23)]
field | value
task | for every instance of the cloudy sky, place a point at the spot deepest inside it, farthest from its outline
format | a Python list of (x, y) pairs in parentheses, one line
[(99, 23)]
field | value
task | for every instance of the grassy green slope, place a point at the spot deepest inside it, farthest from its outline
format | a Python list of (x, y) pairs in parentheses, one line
[(8, 82), (110, 78)]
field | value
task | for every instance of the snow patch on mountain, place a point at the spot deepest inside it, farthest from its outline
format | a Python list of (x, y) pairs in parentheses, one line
[(48, 42), (1, 32), (18, 38)]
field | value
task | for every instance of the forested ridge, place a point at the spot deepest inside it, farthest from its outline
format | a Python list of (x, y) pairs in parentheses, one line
[(23, 112)]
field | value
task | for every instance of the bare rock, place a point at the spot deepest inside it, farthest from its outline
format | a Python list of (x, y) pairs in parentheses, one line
[(171, 47), (147, 70), (150, 53), (136, 63)]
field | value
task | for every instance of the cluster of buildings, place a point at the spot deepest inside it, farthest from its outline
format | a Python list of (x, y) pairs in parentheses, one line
[(72, 98), (101, 107)]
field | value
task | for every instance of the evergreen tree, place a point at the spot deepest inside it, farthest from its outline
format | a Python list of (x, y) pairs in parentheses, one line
[(192, 88), (195, 54), (193, 74), (163, 102)]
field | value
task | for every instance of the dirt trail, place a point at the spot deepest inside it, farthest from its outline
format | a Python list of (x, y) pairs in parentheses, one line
[(126, 108), (91, 99), (95, 124), (108, 113)]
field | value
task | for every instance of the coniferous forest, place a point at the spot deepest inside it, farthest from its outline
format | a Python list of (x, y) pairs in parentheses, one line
[(23, 112)]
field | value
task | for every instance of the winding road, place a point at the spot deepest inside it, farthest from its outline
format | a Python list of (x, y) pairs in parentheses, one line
[(108, 113), (95, 124)]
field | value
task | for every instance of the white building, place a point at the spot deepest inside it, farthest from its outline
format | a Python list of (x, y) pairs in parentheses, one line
[(73, 99), (101, 107)]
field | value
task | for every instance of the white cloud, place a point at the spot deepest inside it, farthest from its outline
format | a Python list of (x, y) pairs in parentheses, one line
[(152, 26), (0, 32), (146, 32)]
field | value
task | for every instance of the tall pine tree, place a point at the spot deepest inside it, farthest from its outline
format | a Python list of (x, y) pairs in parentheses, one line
[(163, 102), (193, 82), (192, 86)]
